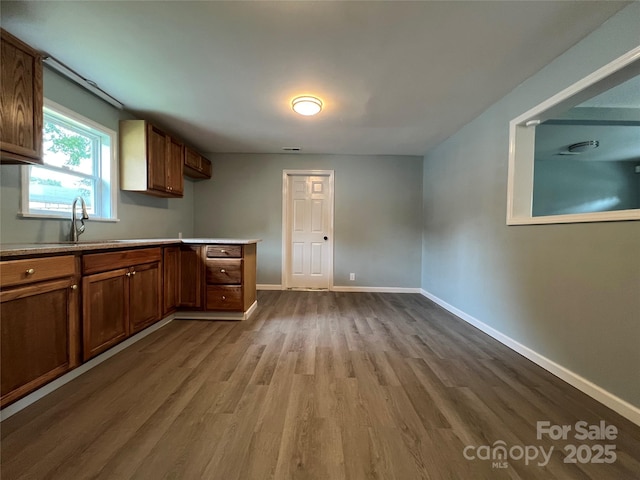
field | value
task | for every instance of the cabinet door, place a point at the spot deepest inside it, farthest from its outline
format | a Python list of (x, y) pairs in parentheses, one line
[(192, 158), (157, 158), (195, 165), (145, 301), (191, 268), (171, 277), (206, 167), (175, 180), (39, 335), (20, 102), (105, 306)]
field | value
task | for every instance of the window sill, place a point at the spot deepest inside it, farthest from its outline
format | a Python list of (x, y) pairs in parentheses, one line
[(613, 216), (42, 216)]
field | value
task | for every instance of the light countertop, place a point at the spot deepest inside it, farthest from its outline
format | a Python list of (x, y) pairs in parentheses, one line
[(17, 249)]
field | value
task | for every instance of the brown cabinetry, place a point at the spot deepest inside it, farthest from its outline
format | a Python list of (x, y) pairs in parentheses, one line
[(105, 307), (121, 296), (150, 160), (195, 165), (20, 102), (191, 270), (171, 278), (230, 277), (175, 178), (39, 323)]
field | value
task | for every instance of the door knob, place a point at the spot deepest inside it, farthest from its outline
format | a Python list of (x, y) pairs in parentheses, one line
[(326, 238)]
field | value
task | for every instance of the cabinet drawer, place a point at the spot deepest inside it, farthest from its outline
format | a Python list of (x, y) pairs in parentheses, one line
[(18, 272), (224, 298), (103, 262), (224, 251), (225, 272)]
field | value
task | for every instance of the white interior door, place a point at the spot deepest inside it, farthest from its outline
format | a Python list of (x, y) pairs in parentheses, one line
[(308, 218)]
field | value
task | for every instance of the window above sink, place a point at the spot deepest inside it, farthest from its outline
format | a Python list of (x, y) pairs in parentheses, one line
[(79, 160)]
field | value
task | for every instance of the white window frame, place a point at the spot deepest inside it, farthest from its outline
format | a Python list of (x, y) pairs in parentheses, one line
[(108, 174), (522, 143)]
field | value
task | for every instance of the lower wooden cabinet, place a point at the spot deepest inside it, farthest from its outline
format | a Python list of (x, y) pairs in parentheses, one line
[(123, 291), (39, 324), (230, 277), (191, 271), (105, 307), (145, 300), (122, 300), (171, 278)]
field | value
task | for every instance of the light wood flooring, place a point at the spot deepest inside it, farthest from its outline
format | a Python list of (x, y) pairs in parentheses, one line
[(317, 385)]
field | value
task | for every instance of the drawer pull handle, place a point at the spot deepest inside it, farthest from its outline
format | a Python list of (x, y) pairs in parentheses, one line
[(223, 251), (74, 287), (30, 271), (223, 297), (222, 270)]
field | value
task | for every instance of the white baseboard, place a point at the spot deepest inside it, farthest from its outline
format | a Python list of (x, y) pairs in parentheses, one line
[(338, 288), (624, 408), (75, 373)]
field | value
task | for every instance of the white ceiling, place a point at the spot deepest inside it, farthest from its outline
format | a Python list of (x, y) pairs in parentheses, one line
[(395, 77), (625, 95)]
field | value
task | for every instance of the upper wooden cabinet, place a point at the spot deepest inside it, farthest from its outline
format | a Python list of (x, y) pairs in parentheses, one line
[(20, 102), (195, 165), (150, 160), (175, 166)]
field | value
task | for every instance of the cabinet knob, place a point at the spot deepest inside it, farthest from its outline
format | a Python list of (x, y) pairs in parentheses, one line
[(222, 270), (223, 251), (30, 271), (133, 273), (128, 274), (74, 287), (223, 297)]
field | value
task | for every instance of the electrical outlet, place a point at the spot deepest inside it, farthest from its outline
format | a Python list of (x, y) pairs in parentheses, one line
[(352, 276)]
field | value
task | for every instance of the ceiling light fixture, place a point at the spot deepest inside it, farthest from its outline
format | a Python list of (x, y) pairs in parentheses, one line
[(582, 147), (306, 105)]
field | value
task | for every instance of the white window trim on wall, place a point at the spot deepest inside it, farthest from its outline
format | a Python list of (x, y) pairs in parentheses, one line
[(113, 170), (522, 141)]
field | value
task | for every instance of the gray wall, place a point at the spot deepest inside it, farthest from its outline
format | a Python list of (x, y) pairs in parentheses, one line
[(577, 186), (570, 292), (141, 216), (377, 212)]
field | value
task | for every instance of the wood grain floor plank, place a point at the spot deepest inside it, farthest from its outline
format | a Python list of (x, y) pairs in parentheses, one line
[(316, 385)]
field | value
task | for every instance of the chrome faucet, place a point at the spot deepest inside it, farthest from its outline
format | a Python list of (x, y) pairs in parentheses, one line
[(75, 230)]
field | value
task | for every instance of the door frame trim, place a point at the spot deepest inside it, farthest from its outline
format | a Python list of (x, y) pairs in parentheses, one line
[(286, 215)]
